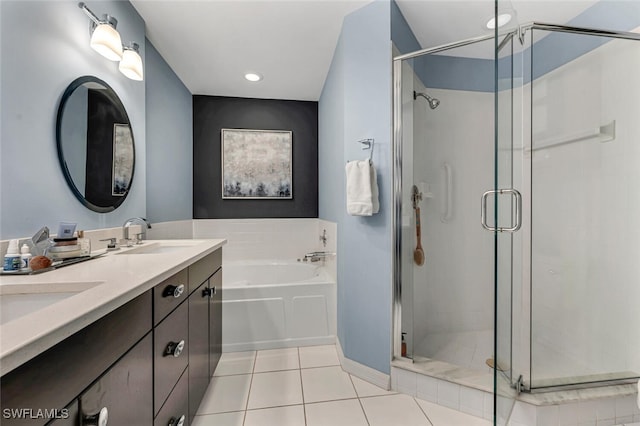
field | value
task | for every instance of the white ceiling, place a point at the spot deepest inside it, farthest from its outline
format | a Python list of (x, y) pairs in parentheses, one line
[(211, 44)]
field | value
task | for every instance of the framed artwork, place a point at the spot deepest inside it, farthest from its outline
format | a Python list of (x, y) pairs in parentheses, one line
[(256, 164), (122, 169)]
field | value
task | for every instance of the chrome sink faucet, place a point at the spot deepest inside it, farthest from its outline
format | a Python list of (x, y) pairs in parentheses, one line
[(136, 220)]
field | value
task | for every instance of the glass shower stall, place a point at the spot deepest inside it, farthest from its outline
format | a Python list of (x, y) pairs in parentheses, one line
[(517, 213)]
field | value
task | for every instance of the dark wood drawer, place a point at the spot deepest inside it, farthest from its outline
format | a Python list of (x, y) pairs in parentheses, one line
[(68, 416), (167, 367), (164, 295), (200, 271), (176, 405), (125, 390), (57, 376)]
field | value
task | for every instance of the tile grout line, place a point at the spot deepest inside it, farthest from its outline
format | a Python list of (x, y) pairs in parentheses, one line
[(304, 406), (366, 418), (423, 412), (246, 407)]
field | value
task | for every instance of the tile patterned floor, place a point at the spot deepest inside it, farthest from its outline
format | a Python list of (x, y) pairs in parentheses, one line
[(307, 387)]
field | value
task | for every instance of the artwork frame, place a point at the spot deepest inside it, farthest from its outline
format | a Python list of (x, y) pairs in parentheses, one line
[(122, 161), (256, 164)]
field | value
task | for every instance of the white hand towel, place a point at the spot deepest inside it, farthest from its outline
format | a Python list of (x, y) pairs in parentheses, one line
[(375, 203), (362, 189)]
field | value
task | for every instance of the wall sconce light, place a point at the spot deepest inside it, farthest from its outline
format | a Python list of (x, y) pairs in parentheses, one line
[(105, 40), (131, 63)]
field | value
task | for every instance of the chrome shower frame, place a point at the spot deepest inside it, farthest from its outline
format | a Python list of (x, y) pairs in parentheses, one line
[(398, 145)]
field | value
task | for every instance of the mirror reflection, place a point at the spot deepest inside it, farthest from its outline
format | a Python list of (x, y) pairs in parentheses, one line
[(95, 144)]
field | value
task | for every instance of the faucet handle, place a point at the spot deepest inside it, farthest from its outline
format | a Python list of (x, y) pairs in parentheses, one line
[(139, 237), (112, 243)]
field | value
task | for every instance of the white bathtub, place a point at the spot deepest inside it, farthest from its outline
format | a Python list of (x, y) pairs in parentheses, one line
[(276, 304)]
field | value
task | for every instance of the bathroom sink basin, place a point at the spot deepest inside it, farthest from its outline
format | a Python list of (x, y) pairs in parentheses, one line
[(161, 247), (18, 300)]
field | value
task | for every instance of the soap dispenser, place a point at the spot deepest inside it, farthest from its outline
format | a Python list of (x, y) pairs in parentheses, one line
[(403, 346)]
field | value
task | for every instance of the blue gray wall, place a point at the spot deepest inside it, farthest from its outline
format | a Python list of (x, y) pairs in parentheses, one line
[(44, 46), (169, 142), (356, 104), (552, 49)]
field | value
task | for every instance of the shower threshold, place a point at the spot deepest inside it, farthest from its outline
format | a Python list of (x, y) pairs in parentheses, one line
[(476, 380), (452, 373)]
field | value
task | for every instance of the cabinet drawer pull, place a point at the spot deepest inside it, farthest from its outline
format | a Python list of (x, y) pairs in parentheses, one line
[(174, 349), (208, 291), (176, 422), (99, 419), (173, 290)]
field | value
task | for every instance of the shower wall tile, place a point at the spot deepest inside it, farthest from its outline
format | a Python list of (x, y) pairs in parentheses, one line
[(427, 388), (472, 401), (605, 409), (624, 420), (567, 414), (523, 414), (449, 394), (587, 411), (625, 408), (488, 406), (547, 415), (404, 381)]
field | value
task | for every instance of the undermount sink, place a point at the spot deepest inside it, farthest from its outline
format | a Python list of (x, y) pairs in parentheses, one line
[(161, 247), (19, 300)]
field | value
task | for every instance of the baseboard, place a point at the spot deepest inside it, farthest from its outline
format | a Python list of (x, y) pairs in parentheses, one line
[(278, 344), (363, 372)]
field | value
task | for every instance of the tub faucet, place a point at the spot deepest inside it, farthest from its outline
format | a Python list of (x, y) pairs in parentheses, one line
[(316, 256), (139, 220)]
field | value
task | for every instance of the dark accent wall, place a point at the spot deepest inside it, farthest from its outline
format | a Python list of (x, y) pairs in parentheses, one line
[(213, 113)]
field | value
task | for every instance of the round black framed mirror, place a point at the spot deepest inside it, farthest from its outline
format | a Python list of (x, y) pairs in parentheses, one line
[(95, 144)]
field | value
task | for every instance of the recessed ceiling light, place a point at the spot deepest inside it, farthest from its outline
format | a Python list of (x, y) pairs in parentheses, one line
[(252, 76), (503, 19)]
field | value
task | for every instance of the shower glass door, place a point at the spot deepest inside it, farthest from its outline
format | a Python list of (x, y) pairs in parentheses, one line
[(510, 183), (448, 151)]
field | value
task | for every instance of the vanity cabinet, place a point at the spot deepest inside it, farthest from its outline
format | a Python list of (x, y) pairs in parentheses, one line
[(205, 316), (170, 355), (199, 347), (124, 393), (215, 321), (149, 362), (55, 378), (175, 409)]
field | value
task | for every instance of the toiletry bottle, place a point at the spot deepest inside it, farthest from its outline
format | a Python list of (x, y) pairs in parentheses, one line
[(25, 258), (403, 347), (12, 258), (84, 243)]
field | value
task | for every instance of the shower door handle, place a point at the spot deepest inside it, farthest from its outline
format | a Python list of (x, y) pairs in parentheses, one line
[(518, 212)]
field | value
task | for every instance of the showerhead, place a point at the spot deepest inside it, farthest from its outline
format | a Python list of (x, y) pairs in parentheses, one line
[(433, 102)]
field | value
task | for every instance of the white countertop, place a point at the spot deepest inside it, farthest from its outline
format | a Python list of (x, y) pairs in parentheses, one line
[(113, 280)]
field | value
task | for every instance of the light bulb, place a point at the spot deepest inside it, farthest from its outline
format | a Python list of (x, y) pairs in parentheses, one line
[(131, 63), (106, 41)]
